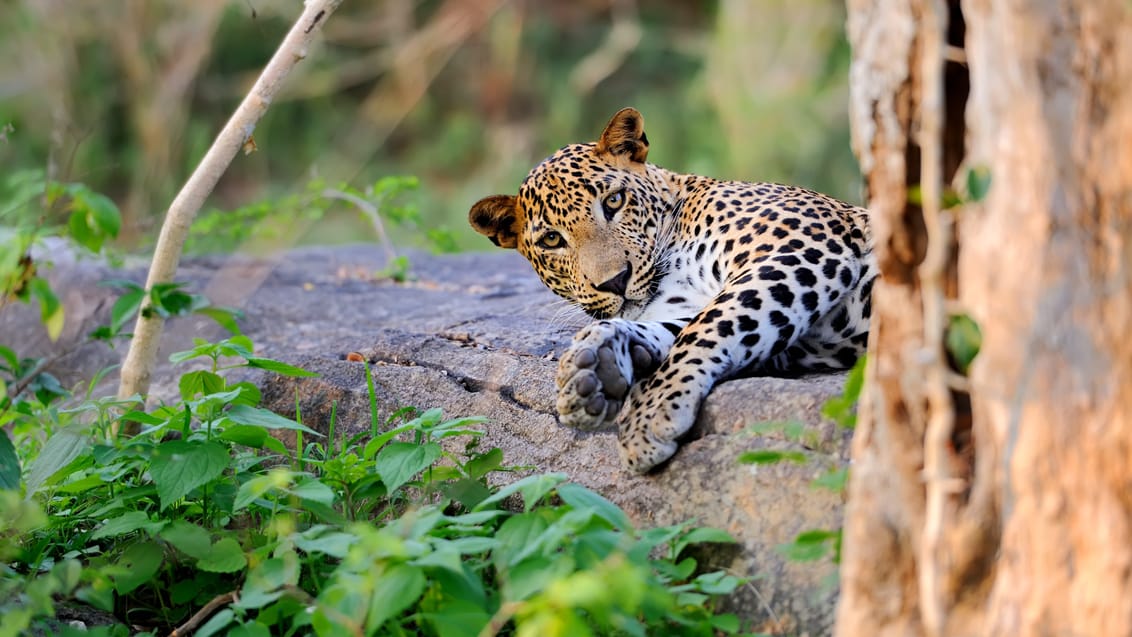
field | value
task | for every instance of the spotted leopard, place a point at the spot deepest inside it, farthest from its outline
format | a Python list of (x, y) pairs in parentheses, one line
[(692, 281)]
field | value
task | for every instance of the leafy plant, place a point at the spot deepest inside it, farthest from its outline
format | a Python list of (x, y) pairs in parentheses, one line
[(392, 534)]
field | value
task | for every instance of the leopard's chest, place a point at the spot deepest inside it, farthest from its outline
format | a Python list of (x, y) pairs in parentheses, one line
[(694, 273)]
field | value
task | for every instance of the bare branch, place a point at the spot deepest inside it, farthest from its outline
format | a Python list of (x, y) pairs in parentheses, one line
[(138, 366)]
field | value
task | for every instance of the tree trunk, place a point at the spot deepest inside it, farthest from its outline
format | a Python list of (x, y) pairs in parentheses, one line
[(999, 503)]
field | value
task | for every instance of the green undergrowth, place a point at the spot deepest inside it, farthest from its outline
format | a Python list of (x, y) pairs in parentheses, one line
[(206, 522)]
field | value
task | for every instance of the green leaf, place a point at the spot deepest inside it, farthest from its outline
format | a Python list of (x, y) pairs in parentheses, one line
[(834, 479), (313, 490), (188, 538), (58, 452), (484, 463), (279, 367), (179, 466), (963, 340), (127, 523), (125, 308), (255, 416), (102, 215), (226, 556), (200, 382), (79, 227), (224, 317), (245, 435), (517, 537), (978, 183), (397, 588), (458, 618), (264, 582), (50, 309), (398, 462), (811, 545), (9, 464), (726, 623), (583, 499), (532, 488), (218, 622), (334, 544), (771, 456), (137, 565), (702, 535)]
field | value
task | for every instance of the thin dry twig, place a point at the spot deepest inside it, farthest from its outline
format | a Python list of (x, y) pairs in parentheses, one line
[(204, 613), (138, 366), (938, 482)]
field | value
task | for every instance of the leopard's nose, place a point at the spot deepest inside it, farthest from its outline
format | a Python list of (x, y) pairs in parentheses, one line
[(618, 284)]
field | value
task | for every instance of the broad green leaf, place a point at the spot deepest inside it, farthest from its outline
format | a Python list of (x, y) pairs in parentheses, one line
[(458, 618), (398, 462), (395, 590), (260, 485), (102, 215), (58, 452), (217, 623), (532, 488), (188, 538), (246, 435), (249, 629), (517, 537), (279, 367), (701, 535), (224, 317), (125, 308), (9, 463), (771, 456), (532, 575), (247, 415), (726, 623), (136, 566), (79, 227), (127, 523), (200, 382), (179, 466), (312, 489), (264, 582), (484, 463), (583, 499), (225, 556), (334, 544)]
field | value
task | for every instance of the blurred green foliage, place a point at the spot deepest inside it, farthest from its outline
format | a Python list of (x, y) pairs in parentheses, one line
[(126, 95)]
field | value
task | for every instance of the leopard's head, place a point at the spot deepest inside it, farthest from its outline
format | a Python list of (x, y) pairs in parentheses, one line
[(588, 219)]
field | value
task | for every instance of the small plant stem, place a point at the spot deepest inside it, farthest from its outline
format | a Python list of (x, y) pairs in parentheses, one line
[(204, 613), (500, 618), (138, 366), (372, 214)]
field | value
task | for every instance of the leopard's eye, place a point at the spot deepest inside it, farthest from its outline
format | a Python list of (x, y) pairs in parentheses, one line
[(612, 203), (551, 241)]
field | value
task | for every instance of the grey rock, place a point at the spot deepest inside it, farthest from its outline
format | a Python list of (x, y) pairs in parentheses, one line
[(478, 334)]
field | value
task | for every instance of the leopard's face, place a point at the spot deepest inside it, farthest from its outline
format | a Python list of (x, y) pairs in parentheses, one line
[(590, 229)]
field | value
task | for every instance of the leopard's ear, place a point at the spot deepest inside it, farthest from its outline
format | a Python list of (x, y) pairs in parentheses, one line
[(625, 135), (498, 218)]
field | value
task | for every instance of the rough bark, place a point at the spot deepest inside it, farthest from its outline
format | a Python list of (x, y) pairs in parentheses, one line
[(1022, 525)]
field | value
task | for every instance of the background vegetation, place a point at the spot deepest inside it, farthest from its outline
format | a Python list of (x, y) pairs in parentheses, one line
[(125, 96)]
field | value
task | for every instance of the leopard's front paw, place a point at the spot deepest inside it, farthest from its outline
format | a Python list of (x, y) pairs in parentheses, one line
[(651, 423), (595, 375)]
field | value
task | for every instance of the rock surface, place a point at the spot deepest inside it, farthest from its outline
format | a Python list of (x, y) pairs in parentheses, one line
[(478, 334)]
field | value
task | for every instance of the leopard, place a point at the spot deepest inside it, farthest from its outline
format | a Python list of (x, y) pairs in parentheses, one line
[(689, 281)]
